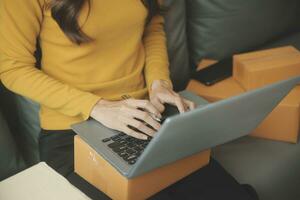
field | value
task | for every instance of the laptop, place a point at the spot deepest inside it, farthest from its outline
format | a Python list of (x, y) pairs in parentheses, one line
[(183, 135)]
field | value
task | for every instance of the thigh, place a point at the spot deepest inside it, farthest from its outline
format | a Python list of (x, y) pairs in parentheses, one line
[(57, 150), (209, 183)]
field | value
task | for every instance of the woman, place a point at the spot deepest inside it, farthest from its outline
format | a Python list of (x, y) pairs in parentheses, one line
[(95, 53)]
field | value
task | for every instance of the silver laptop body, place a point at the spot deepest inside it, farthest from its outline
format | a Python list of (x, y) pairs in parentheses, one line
[(189, 133)]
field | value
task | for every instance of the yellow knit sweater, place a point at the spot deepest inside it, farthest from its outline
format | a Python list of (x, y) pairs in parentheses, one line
[(123, 58)]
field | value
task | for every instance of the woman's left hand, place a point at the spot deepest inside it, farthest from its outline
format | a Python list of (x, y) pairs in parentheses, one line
[(161, 93)]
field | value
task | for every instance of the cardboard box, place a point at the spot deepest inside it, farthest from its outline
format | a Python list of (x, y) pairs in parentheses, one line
[(282, 124), (97, 171), (267, 53), (219, 91), (256, 69)]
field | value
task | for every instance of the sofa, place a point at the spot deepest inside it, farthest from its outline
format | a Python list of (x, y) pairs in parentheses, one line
[(195, 30)]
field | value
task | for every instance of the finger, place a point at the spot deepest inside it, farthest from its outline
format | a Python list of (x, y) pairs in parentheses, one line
[(191, 105), (138, 125), (174, 99), (159, 106), (133, 133), (180, 104), (142, 115), (147, 105), (153, 123)]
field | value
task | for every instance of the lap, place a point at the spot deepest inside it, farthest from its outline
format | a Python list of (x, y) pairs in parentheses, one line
[(57, 150), (209, 183)]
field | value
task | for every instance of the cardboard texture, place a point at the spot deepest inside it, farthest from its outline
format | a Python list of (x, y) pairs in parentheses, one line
[(256, 69), (97, 171), (282, 124)]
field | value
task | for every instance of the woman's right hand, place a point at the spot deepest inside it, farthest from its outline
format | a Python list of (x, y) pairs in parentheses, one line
[(119, 115)]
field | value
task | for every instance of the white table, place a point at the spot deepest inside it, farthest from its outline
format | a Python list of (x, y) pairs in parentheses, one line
[(39, 182)]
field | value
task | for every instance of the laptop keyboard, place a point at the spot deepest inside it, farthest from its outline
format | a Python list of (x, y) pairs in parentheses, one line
[(127, 147)]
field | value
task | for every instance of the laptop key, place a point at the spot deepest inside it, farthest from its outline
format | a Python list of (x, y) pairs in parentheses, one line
[(144, 145), (113, 145), (139, 142), (125, 156), (106, 140), (130, 151), (117, 137), (137, 154), (137, 148), (131, 157), (114, 137), (131, 162), (119, 149), (129, 139), (122, 153), (122, 142), (131, 145)]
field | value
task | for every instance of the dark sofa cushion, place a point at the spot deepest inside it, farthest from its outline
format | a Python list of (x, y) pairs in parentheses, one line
[(175, 27), (220, 28), (289, 40)]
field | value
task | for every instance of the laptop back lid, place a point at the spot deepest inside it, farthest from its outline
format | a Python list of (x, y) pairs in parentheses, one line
[(214, 124)]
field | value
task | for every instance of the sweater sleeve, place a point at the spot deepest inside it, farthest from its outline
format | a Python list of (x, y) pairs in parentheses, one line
[(20, 23), (157, 63)]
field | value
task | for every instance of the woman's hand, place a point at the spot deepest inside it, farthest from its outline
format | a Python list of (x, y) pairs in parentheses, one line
[(161, 93), (119, 115)]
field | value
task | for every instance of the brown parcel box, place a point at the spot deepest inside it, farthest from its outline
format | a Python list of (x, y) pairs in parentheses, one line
[(282, 124), (256, 69), (97, 171)]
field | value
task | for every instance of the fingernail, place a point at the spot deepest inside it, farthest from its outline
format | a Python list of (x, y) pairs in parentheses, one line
[(145, 137), (156, 114), (156, 117)]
